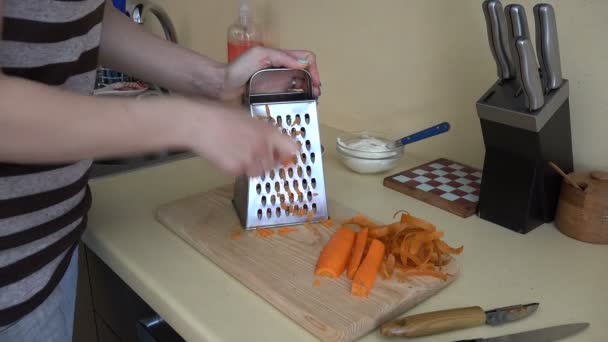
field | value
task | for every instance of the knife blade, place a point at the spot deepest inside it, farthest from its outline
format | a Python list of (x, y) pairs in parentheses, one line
[(453, 319), (547, 46), (528, 74), (549, 334), (498, 38)]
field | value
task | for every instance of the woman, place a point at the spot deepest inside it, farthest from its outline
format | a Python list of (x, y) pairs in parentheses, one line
[(50, 130)]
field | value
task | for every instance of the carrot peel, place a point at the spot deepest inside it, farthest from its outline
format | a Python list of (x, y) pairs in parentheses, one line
[(287, 230)]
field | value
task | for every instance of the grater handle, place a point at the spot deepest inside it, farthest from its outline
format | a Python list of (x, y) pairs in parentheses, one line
[(279, 84)]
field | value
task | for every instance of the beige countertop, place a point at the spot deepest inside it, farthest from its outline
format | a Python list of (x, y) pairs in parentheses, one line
[(202, 303)]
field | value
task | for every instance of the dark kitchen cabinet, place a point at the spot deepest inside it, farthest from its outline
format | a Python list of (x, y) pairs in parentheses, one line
[(85, 328), (108, 310), (105, 333)]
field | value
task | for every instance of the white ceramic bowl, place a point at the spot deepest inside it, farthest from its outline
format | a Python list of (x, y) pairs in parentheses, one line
[(362, 160)]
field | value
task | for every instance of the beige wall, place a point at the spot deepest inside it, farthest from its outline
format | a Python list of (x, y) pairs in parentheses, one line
[(402, 65)]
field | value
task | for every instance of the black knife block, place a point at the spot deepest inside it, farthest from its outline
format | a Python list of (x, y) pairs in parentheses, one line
[(519, 191)]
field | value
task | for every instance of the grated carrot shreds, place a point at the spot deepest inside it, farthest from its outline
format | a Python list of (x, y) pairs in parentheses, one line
[(264, 233), (310, 215), (235, 236), (327, 223), (411, 247), (287, 230), (317, 283), (293, 160), (297, 121), (312, 229)]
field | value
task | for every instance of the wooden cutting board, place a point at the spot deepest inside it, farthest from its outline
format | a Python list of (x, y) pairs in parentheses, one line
[(280, 268)]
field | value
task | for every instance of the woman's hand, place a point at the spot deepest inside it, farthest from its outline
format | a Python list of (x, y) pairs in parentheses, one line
[(240, 70), (237, 143)]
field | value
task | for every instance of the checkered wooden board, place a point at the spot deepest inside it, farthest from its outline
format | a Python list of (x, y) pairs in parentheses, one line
[(443, 183)]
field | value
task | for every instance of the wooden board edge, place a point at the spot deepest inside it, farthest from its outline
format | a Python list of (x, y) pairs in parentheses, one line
[(426, 198), (403, 308), (331, 333), (433, 161)]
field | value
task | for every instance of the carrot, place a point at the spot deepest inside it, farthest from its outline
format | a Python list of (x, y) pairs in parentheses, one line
[(355, 259), (287, 230), (334, 256), (235, 236), (317, 283), (366, 274), (410, 247)]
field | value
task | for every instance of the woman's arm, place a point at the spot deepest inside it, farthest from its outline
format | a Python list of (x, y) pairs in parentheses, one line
[(41, 124), (129, 48)]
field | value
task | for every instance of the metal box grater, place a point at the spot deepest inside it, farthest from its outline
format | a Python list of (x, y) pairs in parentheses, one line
[(293, 194)]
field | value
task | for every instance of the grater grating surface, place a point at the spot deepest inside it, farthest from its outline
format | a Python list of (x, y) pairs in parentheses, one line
[(290, 194)]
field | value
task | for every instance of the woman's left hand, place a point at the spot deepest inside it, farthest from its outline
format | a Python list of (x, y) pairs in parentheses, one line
[(241, 69)]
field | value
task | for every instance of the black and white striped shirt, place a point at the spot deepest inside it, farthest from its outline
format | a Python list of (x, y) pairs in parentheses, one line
[(43, 207)]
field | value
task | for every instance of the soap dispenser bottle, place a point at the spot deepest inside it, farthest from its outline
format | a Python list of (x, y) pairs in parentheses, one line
[(244, 33)]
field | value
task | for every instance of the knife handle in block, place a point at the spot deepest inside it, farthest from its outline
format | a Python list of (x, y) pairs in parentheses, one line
[(435, 322), (498, 37)]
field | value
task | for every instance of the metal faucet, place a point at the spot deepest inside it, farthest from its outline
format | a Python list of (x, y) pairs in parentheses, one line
[(141, 10)]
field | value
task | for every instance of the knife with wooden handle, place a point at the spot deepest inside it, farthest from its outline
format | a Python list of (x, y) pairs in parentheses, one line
[(498, 38), (528, 74), (547, 46), (453, 319)]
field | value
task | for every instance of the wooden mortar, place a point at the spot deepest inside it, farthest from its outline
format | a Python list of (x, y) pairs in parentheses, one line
[(583, 214)]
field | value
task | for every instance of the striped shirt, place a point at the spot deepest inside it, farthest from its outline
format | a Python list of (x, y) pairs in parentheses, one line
[(43, 207)]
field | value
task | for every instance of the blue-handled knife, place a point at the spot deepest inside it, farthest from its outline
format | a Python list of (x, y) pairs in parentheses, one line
[(424, 134)]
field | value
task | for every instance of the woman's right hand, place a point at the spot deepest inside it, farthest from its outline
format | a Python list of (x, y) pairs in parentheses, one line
[(237, 143)]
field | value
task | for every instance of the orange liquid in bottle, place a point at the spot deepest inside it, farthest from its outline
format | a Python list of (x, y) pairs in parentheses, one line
[(235, 48)]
